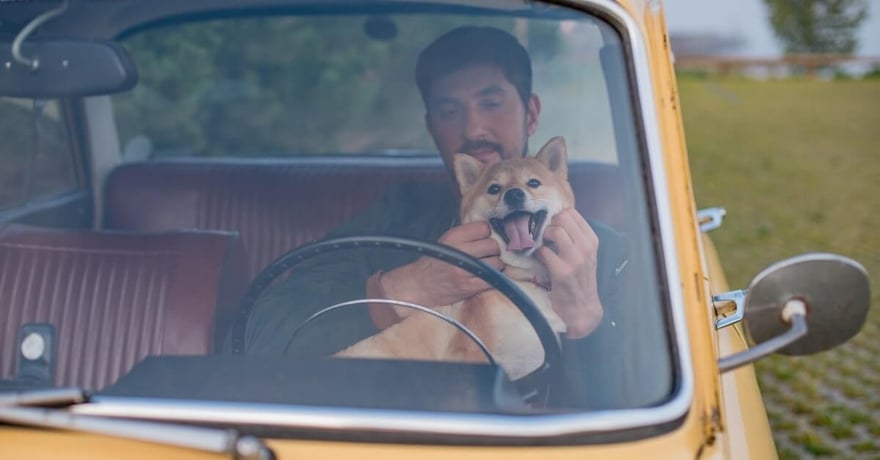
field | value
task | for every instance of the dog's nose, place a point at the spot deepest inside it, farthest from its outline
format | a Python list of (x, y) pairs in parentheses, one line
[(514, 197)]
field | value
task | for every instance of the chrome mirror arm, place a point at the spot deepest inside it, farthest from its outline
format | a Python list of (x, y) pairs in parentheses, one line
[(794, 313)]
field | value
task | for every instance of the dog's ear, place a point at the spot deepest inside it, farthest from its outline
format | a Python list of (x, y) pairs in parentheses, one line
[(467, 171), (554, 155)]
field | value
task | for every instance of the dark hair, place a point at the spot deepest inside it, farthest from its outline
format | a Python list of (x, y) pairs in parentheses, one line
[(475, 45)]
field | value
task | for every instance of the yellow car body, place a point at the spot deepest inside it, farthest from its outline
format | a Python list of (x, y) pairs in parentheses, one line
[(723, 417)]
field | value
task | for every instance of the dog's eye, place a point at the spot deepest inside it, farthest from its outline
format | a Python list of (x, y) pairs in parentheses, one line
[(494, 189), (534, 183)]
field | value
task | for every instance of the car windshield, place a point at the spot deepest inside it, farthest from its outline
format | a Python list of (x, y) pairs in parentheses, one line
[(194, 268)]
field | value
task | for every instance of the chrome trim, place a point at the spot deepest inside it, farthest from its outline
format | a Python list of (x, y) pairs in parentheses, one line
[(737, 297), (710, 218), (810, 256), (371, 420), (536, 426)]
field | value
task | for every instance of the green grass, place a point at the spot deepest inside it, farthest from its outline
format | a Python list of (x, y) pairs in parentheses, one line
[(797, 166)]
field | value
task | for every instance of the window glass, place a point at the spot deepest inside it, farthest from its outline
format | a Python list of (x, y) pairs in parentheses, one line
[(35, 152), (281, 86), (319, 120), (325, 85)]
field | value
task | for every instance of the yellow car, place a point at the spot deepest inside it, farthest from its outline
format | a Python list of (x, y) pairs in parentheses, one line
[(203, 202)]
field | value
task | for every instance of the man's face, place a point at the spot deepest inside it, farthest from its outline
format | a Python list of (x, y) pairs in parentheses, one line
[(477, 111)]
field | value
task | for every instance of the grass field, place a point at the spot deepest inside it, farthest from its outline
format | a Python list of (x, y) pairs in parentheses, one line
[(797, 166)]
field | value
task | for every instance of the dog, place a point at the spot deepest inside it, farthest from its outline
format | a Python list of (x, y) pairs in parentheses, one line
[(518, 198)]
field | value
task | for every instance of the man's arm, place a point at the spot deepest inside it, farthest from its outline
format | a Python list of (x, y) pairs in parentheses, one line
[(431, 282)]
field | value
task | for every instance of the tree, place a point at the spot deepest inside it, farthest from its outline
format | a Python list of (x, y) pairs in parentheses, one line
[(817, 26), (282, 85)]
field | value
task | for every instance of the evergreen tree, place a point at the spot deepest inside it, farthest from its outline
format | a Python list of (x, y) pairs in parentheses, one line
[(817, 26)]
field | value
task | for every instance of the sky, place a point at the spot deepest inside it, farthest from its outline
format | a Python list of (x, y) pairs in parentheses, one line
[(747, 20)]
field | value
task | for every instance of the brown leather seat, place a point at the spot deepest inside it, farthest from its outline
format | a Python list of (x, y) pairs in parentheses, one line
[(116, 297), (278, 205)]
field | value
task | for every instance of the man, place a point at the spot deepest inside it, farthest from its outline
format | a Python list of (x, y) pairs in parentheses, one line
[(480, 102), (476, 84)]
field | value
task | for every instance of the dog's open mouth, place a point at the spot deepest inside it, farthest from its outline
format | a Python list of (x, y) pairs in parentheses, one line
[(520, 229)]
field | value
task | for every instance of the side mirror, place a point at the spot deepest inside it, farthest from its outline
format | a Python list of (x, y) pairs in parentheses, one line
[(803, 305)]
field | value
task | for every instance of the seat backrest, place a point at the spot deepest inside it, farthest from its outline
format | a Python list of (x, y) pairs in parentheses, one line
[(279, 205), (116, 297)]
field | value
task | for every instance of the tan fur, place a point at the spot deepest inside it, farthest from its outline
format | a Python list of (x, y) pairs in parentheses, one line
[(490, 315)]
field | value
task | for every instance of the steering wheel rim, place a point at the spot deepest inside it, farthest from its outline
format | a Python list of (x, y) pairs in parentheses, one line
[(546, 334)]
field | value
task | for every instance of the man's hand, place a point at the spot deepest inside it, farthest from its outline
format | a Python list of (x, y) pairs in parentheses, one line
[(572, 265), (432, 282)]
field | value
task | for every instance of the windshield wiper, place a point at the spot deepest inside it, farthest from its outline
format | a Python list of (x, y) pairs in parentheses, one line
[(44, 408), (43, 397)]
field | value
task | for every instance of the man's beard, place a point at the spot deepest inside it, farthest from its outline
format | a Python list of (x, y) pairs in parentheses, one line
[(469, 147)]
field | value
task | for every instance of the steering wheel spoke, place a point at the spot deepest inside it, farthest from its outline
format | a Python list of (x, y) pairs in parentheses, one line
[(391, 302)]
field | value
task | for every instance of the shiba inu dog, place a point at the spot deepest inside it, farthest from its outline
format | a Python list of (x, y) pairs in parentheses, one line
[(518, 198)]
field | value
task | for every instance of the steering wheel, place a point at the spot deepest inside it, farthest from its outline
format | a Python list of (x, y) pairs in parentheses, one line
[(546, 334)]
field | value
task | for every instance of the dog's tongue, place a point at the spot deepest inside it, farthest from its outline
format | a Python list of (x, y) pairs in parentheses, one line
[(517, 230)]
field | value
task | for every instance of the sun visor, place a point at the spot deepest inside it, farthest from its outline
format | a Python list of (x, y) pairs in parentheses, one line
[(65, 68)]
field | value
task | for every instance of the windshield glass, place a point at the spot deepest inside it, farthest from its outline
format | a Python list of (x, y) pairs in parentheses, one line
[(252, 133)]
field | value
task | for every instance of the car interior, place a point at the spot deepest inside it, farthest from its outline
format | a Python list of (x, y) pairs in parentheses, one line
[(133, 256)]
